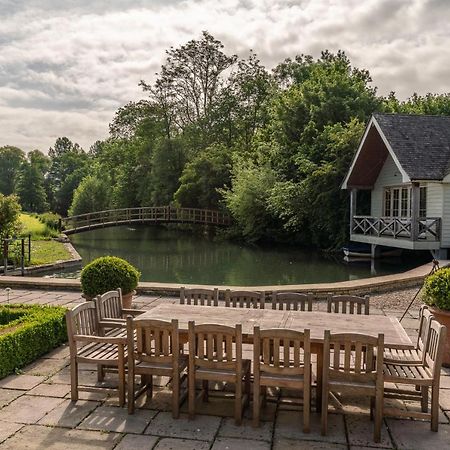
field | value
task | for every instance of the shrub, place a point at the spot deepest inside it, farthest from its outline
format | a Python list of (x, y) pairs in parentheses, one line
[(50, 219), (108, 273), (27, 332), (437, 289)]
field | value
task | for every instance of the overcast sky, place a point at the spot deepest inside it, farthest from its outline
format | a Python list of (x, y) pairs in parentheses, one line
[(66, 66)]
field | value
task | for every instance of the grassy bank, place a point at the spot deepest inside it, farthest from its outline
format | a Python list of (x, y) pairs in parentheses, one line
[(44, 250)]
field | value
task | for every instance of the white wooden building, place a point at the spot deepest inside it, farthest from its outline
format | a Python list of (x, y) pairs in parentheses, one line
[(404, 160)]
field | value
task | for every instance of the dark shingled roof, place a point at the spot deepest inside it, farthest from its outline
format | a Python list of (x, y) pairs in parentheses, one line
[(421, 143)]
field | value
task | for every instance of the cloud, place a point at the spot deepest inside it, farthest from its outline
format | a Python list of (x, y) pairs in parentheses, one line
[(65, 67)]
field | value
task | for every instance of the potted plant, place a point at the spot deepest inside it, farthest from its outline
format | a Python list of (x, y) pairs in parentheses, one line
[(436, 294), (108, 273)]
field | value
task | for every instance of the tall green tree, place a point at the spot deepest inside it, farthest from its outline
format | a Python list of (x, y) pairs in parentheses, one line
[(11, 159), (92, 194), (9, 215), (30, 187)]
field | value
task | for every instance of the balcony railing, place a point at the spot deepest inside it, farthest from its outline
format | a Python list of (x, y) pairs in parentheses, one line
[(424, 229)]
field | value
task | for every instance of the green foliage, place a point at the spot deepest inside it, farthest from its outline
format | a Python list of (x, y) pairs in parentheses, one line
[(31, 224), (436, 290), (50, 219), (108, 273), (92, 194), (11, 159), (30, 188), (27, 332), (9, 216)]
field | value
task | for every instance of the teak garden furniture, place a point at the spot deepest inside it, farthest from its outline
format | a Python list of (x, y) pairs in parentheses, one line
[(281, 358), (349, 366), (154, 350), (292, 301), (215, 354), (203, 297), (83, 331), (348, 304), (245, 299), (426, 375)]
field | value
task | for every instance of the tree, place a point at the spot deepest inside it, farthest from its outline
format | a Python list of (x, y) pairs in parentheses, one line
[(9, 216), (10, 160), (92, 194), (30, 187)]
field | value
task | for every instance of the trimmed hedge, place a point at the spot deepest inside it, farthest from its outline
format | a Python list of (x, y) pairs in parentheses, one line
[(436, 290), (27, 332)]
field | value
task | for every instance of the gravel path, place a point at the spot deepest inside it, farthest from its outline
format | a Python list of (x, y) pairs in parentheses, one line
[(396, 299)]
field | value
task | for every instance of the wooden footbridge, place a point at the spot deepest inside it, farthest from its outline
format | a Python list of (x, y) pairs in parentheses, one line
[(151, 214)]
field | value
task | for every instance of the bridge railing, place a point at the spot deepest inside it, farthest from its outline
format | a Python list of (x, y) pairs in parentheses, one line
[(144, 215)]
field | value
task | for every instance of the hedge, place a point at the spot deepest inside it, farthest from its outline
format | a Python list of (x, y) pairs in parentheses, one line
[(28, 332)]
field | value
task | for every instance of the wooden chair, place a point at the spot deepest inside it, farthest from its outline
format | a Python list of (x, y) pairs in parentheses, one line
[(349, 366), (83, 331), (292, 301), (245, 299), (413, 355), (203, 297), (154, 350), (348, 304), (215, 354), (425, 374), (110, 313), (282, 358)]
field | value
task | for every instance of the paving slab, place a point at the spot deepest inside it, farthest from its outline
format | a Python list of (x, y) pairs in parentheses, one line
[(111, 418), (7, 429), (289, 444), (239, 444), (246, 430), (201, 428), (444, 399), (69, 414), (22, 382), (289, 425), (45, 367), (137, 442), (416, 435), (181, 444), (8, 395), (61, 352), (28, 409), (360, 432), (50, 390), (37, 437)]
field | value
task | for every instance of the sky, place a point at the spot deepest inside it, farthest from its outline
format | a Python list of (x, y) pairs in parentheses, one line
[(67, 66)]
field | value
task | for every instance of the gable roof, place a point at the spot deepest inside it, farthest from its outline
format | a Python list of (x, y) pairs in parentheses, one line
[(418, 144)]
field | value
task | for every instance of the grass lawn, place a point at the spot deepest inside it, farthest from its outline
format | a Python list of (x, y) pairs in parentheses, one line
[(32, 225)]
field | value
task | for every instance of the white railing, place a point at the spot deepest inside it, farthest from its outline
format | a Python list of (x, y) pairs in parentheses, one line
[(425, 228)]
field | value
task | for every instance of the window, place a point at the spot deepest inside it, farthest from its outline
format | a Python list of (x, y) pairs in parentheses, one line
[(405, 208), (387, 202), (395, 202), (398, 202), (423, 202)]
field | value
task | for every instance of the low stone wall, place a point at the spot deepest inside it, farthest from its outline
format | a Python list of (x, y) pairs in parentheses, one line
[(364, 286)]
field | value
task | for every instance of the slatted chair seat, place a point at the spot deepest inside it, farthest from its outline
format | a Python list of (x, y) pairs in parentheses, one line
[(397, 355), (228, 375), (99, 352), (162, 368), (424, 376)]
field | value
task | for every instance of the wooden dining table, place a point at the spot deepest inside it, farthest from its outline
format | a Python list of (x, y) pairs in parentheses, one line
[(317, 322)]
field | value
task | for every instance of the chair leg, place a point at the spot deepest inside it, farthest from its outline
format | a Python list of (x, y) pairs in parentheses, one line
[(191, 394), (424, 398), (306, 408), (256, 402), (378, 415), (205, 386), (324, 416), (100, 372), (372, 407), (434, 408), (121, 368), (176, 396), (130, 399), (74, 380), (264, 396), (247, 388), (238, 403)]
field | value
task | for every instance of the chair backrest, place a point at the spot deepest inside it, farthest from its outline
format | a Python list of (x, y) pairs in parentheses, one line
[(245, 299), (203, 297), (292, 301), (82, 321), (215, 346), (425, 318), (109, 305), (348, 304), (435, 346), (153, 340), (351, 356), (281, 351)]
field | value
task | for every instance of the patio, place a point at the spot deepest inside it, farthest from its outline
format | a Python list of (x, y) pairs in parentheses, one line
[(36, 411)]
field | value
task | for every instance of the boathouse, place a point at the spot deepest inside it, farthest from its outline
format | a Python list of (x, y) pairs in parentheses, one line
[(404, 161)]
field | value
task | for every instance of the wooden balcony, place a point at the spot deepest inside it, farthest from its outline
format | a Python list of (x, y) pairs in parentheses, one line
[(403, 232)]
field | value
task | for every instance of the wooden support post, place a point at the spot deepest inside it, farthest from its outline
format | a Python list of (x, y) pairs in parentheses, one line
[(415, 207), (22, 256), (353, 196)]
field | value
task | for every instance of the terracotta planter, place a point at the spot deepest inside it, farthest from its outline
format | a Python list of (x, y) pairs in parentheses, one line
[(127, 299), (443, 317)]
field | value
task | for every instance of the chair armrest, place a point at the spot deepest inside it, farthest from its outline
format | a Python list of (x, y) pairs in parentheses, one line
[(112, 323), (132, 312), (100, 339)]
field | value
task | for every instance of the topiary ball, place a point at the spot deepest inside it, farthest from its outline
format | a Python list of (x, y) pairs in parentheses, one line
[(108, 273), (437, 289)]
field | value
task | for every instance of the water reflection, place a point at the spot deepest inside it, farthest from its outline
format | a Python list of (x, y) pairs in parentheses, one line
[(166, 255)]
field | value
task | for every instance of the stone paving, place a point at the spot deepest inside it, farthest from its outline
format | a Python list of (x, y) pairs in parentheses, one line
[(36, 411)]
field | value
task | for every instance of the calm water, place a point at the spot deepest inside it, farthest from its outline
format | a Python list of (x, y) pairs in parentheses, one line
[(174, 256)]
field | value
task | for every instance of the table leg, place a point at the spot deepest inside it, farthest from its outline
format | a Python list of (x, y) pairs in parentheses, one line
[(319, 353)]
